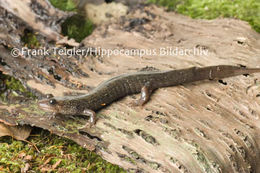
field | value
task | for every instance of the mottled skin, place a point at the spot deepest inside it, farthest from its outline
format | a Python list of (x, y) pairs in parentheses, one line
[(144, 82)]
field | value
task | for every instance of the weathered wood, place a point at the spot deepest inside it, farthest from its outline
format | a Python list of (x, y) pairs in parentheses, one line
[(201, 127), (39, 15)]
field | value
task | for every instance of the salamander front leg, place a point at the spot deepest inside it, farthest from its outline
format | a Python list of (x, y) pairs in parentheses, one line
[(92, 119), (145, 94)]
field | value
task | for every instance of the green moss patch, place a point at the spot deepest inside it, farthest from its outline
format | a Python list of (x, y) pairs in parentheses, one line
[(207, 9), (77, 27), (65, 5), (10, 85), (69, 156), (30, 40)]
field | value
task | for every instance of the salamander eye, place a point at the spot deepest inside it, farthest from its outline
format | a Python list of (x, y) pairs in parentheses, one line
[(52, 101)]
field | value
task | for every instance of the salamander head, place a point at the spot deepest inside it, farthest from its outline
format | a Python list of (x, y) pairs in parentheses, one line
[(50, 105), (61, 105)]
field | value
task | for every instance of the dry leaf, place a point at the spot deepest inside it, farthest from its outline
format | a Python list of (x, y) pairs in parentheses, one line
[(17, 132)]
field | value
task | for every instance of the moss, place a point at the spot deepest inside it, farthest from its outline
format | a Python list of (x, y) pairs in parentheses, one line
[(65, 5), (74, 158), (14, 87), (77, 27), (169, 4), (30, 40), (33, 108), (14, 84), (207, 9)]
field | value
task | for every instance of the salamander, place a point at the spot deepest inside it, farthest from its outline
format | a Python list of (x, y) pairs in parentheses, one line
[(127, 84)]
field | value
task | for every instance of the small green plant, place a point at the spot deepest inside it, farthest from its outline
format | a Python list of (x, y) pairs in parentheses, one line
[(248, 10), (65, 5)]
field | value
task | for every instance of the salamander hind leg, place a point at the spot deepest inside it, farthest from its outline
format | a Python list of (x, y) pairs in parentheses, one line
[(92, 119), (146, 92)]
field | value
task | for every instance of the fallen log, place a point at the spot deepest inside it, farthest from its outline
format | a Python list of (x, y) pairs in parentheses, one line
[(209, 126)]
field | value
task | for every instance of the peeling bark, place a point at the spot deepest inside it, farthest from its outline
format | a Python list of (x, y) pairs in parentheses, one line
[(207, 126)]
